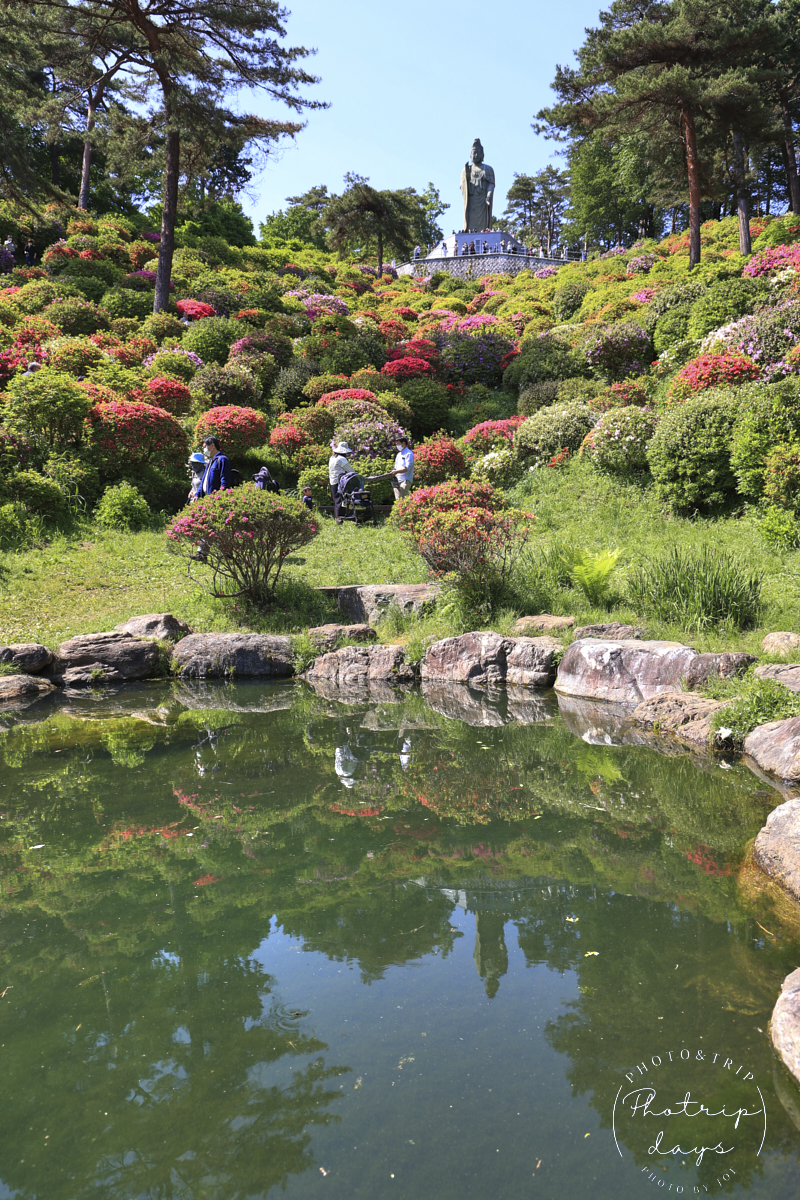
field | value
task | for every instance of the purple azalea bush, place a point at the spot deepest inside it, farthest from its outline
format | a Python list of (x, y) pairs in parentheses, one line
[(150, 237), (370, 439), (766, 337), (640, 264), (472, 354), (620, 350), (545, 272), (6, 261)]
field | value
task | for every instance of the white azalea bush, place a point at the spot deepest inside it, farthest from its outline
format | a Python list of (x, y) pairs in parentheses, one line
[(618, 443)]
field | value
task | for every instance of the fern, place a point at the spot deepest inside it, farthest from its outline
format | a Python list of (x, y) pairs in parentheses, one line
[(592, 573)]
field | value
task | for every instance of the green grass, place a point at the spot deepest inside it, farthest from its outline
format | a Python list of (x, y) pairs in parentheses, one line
[(753, 702), (91, 580)]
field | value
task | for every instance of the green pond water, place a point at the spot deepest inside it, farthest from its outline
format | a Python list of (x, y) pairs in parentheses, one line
[(257, 941)]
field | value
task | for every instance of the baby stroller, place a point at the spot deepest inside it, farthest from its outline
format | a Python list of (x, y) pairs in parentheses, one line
[(355, 502)]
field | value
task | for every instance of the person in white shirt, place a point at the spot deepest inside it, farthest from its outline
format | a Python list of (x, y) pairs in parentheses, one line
[(403, 469), (337, 467)]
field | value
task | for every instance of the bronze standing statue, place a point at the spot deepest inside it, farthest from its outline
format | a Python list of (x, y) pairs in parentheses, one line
[(477, 188)]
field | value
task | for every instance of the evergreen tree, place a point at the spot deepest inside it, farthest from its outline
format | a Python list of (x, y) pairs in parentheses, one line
[(366, 221)]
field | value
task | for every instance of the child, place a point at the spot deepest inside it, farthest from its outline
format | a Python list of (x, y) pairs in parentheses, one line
[(307, 499)]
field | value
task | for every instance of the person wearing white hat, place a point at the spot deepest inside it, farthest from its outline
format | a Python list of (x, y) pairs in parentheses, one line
[(337, 466)]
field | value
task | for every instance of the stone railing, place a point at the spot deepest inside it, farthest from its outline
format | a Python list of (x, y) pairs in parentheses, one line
[(473, 266)]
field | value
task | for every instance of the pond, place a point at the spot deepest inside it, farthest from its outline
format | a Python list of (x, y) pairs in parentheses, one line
[(255, 939)]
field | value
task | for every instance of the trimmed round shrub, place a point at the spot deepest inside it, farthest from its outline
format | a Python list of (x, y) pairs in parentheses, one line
[(264, 341), (476, 546), (288, 387), (170, 394), (123, 506), (74, 316), (474, 357), (13, 523), (722, 303), (212, 338), (238, 429), (126, 302), (215, 385), (436, 461), (455, 495), (561, 427), (134, 352), (768, 417), (321, 385), (183, 364), (618, 443), (568, 299), (49, 406), (782, 476), (490, 435), (690, 453), (546, 356), (39, 495), (91, 287), (249, 534), (316, 477), (73, 355), (671, 327), (355, 394), (429, 402), (126, 434), (402, 369), (162, 325), (501, 467), (288, 439), (348, 355), (370, 438), (372, 380), (262, 367), (619, 350), (712, 371), (536, 396)]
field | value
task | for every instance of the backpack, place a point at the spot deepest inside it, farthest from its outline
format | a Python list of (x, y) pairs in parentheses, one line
[(264, 481)]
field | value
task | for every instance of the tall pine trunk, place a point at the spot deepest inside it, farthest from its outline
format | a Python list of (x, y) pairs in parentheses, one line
[(167, 247), (380, 253), (693, 177), (86, 165), (742, 200), (788, 137)]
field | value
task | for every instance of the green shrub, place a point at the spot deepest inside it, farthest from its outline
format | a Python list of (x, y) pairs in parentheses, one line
[(77, 478), (39, 495), (74, 316), (125, 327), (74, 355), (291, 380), (568, 299), (561, 427), (782, 476), (213, 385), (429, 404), (672, 327), (697, 588), (320, 385), (173, 363), (690, 454), (13, 526), (111, 374), (757, 702), (500, 467), (536, 396), (348, 355), (123, 507), (547, 356), (480, 404), (618, 443), (212, 338), (722, 303), (34, 297), (91, 287), (248, 534), (161, 325), (779, 528), (49, 406), (372, 380), (769, 416), (316, 477)]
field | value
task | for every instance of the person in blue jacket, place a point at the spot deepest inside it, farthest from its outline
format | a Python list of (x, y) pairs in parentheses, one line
[(217, 475)]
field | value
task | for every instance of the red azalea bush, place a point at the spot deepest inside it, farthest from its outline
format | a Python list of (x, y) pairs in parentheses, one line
[(98, 393), (195, 310), (34, 330), (105, 340), (456, 495), (321, 385), (74, 355), (405, 314), (507, 359), (393, 331), (628, 391), (774, 258), (139, 254), (437, 460), (133, 352), (124, 433), (415, 348), (288, 439), (712, 370), (476, 546), (482, 438), (238, 429), (347, 394), (168, 393), (16, 358), (406, 368)]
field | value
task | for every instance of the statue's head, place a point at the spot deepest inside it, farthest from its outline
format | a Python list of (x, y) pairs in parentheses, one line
[(476, 153)]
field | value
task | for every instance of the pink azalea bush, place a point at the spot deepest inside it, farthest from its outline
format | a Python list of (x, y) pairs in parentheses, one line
[(238, 429)]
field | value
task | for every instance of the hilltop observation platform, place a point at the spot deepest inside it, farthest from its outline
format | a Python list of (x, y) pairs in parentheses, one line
[(495, 253)]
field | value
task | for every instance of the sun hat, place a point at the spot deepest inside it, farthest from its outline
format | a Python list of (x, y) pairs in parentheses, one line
[(343, 448), (197, 457)]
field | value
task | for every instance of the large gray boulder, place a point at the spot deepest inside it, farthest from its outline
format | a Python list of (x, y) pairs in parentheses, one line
[(129, 657), (328, 637), (784, 1027), (786, 673), (29, 657), (91, 675), (237, 655), (777, 846), (775, 747), (783, 642), (162, 627), (370, 602), (17, 691), (361, 666), (684, 714), (730, 664), (625, 672), (489, 660)]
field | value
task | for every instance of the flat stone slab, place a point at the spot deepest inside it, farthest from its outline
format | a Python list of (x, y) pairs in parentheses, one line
[(788, 674), (92, 675), (782, 642), (784, 1027), (775, 747), (361, 666), (130, 657), (28, 657), (625, 672), (777, 847), (543, 623), (241, 655), (488, 660), (614, 631), (370, 602), (327, 637), (684, 714), (21, 690), (162, 627)]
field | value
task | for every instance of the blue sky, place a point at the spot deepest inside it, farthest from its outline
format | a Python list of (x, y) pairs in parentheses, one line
[(410, 85)]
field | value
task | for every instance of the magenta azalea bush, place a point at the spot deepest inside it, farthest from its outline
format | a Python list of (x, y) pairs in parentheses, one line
[(246, 536), (774, 259)]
